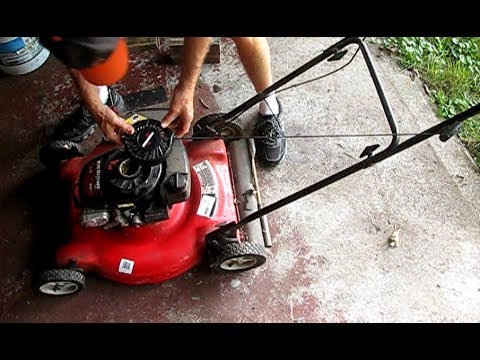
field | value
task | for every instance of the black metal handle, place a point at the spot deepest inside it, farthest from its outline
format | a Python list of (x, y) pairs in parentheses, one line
[(391, 150), (326, 54), (381, 93)]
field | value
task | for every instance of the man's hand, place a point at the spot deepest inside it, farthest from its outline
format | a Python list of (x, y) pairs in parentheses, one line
[(180, 115), (111, 124)]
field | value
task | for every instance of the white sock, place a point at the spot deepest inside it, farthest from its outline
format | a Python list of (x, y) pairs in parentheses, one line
[(269, 106), (103, 93)]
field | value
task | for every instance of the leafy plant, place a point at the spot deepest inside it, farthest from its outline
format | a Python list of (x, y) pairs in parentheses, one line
[(450, 66)]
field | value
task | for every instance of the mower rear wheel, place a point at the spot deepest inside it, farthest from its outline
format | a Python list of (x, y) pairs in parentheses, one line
[(210, 124), (232, 129), (239, 256), (61, 282)]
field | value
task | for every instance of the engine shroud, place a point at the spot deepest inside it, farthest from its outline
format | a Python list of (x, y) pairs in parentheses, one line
[(117, 187), (116, 178)]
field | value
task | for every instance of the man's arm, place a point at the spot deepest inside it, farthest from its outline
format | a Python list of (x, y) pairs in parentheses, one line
[(110, 123), (180, 115)]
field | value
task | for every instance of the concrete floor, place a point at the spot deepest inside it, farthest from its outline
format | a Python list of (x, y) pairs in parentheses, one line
[(330, 261)]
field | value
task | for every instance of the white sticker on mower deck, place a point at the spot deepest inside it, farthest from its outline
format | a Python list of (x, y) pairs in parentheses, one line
[(208, 182), (207, 203), (126, 266)]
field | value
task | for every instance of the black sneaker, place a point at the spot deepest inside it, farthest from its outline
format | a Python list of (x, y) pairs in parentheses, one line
[(271, 147), (80, 124)]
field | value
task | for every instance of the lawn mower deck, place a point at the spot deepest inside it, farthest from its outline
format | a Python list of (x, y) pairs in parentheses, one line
[(135, 220)]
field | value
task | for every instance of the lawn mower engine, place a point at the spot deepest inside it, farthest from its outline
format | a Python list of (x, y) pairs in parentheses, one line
[(147, 211), (138, 184)]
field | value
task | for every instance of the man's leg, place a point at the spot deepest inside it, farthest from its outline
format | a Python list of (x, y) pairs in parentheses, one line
[(254, 53)]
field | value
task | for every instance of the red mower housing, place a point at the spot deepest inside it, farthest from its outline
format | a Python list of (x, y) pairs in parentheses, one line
[(155, 252)]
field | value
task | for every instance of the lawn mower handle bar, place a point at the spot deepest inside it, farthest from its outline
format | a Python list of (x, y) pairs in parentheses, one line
[(326, 54), (394, 148)]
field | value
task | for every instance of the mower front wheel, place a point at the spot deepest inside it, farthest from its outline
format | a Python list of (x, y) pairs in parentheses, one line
[(238, 256), (61, 282)]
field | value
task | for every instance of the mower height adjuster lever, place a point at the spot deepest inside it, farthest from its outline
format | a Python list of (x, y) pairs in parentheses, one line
[(225, 234)]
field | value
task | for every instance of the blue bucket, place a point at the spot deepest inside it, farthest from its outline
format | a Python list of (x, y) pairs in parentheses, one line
[(21, 55)]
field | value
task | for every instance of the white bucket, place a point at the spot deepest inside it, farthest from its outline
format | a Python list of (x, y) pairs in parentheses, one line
[(21, 55)]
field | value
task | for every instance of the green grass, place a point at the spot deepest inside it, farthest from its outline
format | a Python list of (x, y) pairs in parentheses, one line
[(450, 67)]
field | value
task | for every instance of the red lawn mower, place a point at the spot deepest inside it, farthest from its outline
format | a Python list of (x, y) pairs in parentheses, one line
[(154, 208)]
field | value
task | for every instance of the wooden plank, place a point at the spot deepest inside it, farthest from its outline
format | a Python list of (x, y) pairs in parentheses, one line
[(141, 43), (175, 49)]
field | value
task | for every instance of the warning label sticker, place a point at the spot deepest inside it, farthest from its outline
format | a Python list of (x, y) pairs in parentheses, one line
[(209, 184), (207, 204), (135, 118)]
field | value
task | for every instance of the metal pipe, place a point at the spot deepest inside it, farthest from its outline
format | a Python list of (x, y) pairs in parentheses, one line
[(267, 239)]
